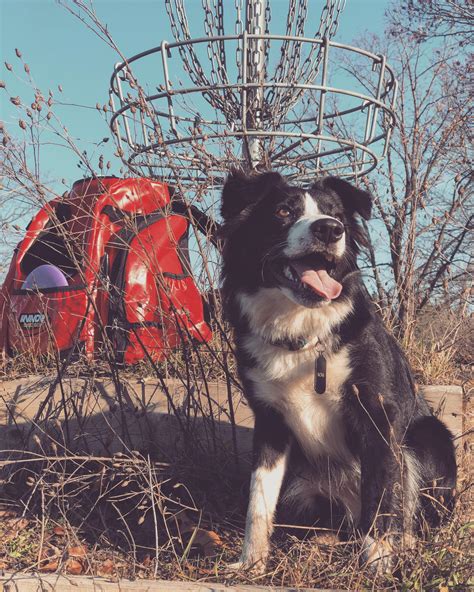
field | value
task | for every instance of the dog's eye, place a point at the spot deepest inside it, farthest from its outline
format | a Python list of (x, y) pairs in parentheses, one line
[(283, 212)]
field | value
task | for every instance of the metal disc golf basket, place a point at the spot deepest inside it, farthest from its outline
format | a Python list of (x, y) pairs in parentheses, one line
[(240, 94)]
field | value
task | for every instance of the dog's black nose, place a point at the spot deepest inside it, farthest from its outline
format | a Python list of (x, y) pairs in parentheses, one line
[(327, 230)]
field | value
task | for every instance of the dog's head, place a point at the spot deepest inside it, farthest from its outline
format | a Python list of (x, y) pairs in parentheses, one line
[(302, 241)]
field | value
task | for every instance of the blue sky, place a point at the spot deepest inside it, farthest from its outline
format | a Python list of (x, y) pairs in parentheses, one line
[(60, 50)]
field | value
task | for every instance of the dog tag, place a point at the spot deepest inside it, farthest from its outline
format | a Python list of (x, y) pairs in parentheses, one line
[(320, 374)]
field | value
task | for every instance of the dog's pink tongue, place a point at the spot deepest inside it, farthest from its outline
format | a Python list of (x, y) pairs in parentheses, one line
[(319, 280)]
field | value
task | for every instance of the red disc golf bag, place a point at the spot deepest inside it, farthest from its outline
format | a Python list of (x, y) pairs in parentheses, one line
[(122, 247)]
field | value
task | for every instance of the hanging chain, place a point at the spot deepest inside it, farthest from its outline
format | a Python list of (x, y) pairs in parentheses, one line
[(192, 65), (291, 69), (214, 27)]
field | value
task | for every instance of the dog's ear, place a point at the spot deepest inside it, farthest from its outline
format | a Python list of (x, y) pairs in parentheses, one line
[(241, 190), (353, 198)]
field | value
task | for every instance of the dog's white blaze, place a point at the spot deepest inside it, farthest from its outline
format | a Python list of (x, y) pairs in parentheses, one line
[(265, 488), (310, 206), (300, 237)]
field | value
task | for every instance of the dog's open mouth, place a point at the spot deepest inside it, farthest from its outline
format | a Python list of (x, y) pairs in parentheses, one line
[(312, 273)]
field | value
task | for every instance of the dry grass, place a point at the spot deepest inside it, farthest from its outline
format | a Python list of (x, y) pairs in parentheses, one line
[(97, 517), (132, 515), (431, 364), (440, 346)]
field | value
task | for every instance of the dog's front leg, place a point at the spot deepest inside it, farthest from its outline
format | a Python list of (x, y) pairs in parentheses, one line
[(270, 453), (381, 477)]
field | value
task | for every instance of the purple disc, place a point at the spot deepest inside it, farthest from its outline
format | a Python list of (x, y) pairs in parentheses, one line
[(45, 276)]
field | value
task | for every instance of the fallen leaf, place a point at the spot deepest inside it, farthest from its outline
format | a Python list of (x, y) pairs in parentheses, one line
[(79, 551), (59, 531), (50, 566), (74, 567), (208, 541), (106, 568)]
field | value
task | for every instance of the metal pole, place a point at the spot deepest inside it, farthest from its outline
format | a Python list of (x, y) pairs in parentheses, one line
[(255, 58)]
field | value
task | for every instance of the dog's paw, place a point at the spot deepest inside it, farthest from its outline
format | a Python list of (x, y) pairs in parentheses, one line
[(253, 564), (409, 541), (378, 554), (236, 566)]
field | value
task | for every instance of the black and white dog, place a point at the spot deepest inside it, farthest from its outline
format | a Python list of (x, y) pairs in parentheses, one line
[(338, 421)]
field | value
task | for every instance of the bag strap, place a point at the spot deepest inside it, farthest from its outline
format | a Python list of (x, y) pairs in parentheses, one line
[(204, 223)]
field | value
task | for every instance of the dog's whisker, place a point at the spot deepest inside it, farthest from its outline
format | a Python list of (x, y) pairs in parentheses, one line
[(270, 255)]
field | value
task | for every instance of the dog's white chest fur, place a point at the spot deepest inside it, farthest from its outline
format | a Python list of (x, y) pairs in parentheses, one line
[(284, 380), (314, 419)]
